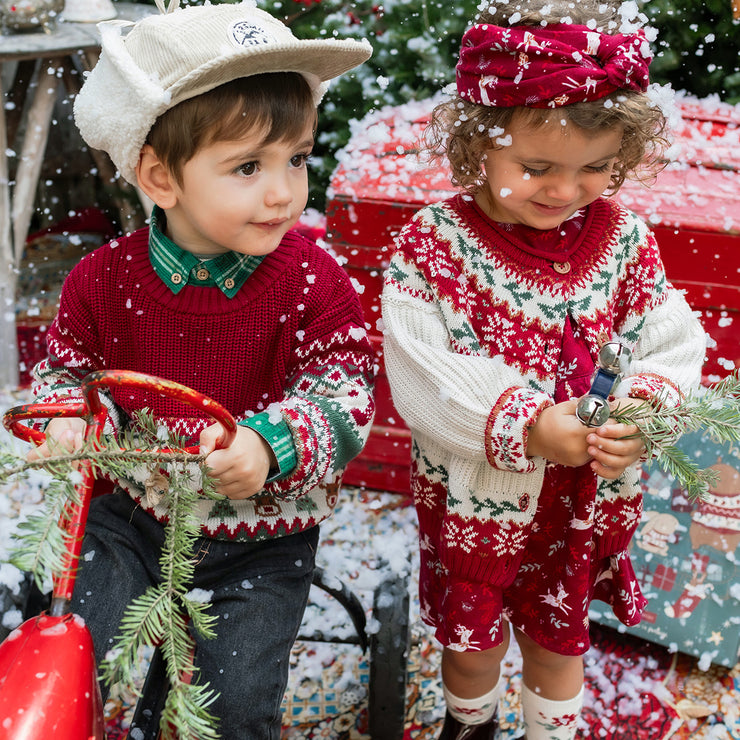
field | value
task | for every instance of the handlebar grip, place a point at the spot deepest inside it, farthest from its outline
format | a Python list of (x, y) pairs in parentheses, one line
[(13, 417)]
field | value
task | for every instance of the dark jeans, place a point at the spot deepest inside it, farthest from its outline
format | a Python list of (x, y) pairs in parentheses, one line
[(259, 590)]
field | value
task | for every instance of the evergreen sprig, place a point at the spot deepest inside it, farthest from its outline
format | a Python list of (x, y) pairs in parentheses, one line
[(714, 410), (165, 614), (40, 541)]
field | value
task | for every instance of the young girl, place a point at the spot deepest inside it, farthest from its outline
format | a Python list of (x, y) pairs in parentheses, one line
[(496, 304)]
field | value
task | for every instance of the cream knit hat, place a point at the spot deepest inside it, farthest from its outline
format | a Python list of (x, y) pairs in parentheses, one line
[(167, 58)]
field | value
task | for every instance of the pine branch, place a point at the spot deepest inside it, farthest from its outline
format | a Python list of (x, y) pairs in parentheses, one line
[(40, 542), (163, 614), (190, 701), (104, 460), (714, 411), (137, 629)]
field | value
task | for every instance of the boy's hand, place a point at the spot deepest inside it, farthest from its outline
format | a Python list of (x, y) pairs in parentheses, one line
[(242, 468), (614, 446), (559, 436), (62, 435)]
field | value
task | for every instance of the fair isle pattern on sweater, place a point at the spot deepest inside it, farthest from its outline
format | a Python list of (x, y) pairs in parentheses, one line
[(291, 344), (473, 327)]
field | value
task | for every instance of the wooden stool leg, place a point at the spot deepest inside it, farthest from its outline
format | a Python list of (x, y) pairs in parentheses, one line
[(32, 154), (8, 336)]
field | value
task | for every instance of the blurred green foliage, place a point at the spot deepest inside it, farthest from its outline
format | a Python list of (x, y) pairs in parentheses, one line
[(698, 46)]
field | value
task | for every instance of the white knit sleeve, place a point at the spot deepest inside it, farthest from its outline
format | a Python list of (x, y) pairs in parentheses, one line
[(459, 400), (669, 355)]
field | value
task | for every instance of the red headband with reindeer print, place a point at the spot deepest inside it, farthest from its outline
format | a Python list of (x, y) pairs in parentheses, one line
[(550, 66)]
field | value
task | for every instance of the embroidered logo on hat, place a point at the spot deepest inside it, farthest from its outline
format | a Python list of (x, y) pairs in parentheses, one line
[(244, 33)]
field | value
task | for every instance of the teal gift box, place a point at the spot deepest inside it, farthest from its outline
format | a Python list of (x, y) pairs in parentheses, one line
[(686, 556)]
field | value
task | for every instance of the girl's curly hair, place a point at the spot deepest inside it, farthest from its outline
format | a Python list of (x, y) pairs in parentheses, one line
[(462, 132)]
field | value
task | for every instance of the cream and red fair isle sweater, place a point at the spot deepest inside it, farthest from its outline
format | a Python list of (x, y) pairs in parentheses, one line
[(473, 327), (291, 344)]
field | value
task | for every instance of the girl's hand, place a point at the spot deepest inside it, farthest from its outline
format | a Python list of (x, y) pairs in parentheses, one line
[(615, 446), (62, 435), (242, 468), (559, 436)]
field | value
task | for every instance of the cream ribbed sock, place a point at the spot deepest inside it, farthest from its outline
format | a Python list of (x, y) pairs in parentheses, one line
[(545, 719), (474, 711)]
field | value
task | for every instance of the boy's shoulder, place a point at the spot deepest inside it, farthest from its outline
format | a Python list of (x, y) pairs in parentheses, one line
[(295, 241), (129, 248), (125, 244)]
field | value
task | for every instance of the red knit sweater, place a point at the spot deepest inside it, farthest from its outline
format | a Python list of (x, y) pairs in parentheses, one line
[(293, 335)]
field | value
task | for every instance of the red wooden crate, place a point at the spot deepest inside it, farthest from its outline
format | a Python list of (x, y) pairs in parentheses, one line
[(693, 207)]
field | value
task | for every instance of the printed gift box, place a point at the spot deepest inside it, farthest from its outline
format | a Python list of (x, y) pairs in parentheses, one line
[(687, 558)]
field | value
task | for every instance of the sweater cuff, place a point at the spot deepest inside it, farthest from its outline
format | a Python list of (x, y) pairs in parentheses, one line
[(508, 427), (277, 434), (652, 388)]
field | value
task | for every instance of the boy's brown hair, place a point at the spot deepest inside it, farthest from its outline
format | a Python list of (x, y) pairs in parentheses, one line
[(277, 103)]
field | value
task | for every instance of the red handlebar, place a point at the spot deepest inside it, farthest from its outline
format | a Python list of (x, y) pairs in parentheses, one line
[(95, 412)]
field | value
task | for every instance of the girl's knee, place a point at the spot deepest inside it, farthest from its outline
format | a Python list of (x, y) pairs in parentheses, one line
[(475, 662), (548, 674), (534, 653)]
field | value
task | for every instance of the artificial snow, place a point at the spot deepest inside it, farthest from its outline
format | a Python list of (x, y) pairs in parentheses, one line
[(199, 596)]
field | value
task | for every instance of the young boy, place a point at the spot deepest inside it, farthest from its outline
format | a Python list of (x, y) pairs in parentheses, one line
[(212, 111)]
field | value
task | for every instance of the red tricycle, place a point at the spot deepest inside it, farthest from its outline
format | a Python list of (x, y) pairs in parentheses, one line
[(48, 677)]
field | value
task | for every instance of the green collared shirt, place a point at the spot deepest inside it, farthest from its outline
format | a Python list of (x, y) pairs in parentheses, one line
[(178, 268), (228, 272)]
